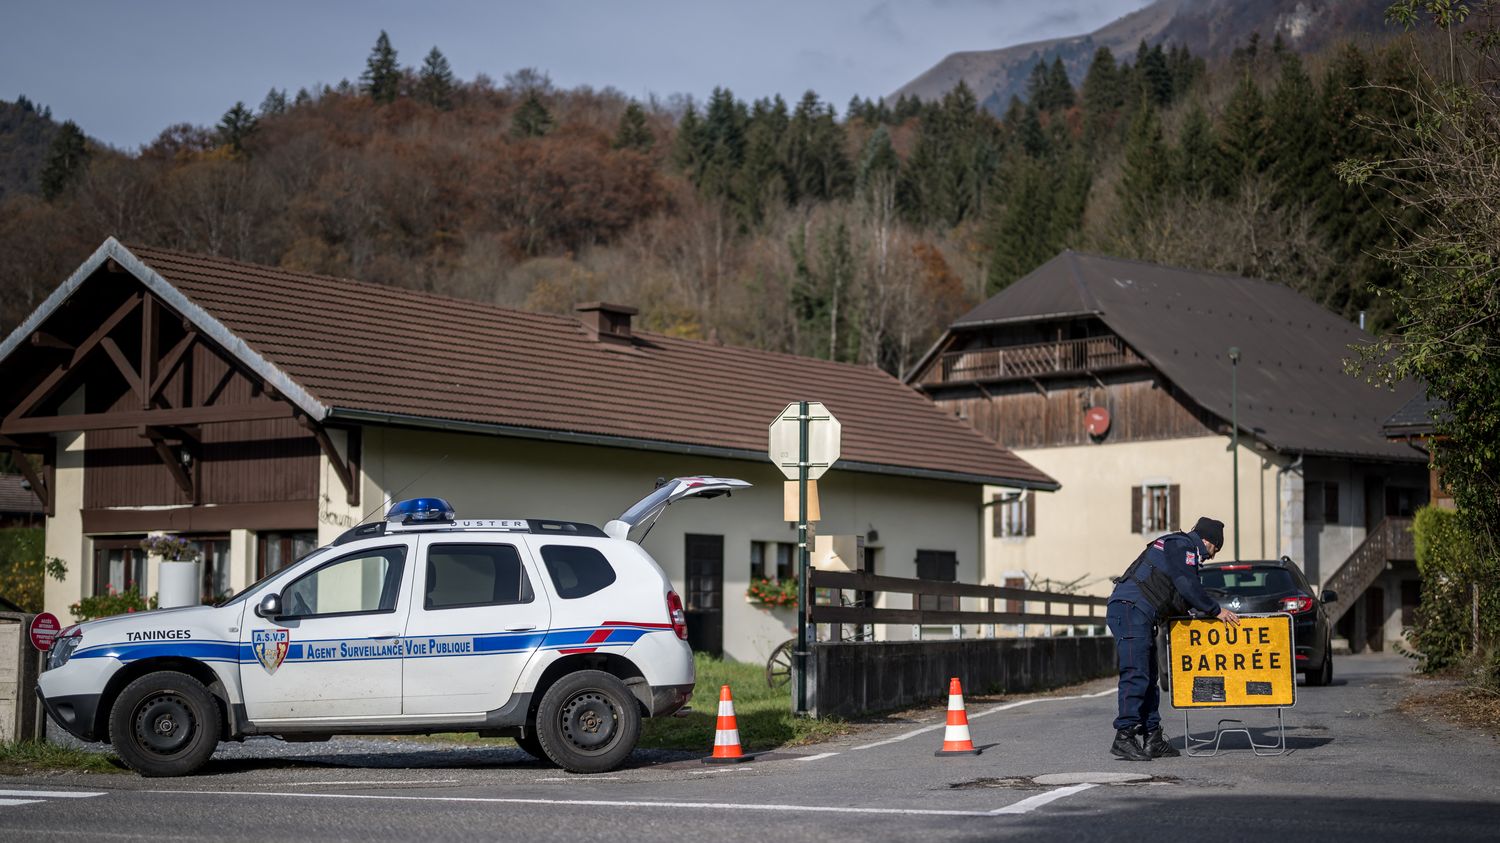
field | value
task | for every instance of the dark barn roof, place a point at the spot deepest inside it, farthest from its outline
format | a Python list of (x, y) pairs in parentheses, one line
[(15, 498), (343, 350), (1293, 391), (1415, 418)]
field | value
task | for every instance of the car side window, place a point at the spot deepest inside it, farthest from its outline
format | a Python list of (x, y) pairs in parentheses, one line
[(576, 570), (464, 575), (361, 583)]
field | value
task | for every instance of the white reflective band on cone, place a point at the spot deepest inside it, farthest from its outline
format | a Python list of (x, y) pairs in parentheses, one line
[(729, 738)]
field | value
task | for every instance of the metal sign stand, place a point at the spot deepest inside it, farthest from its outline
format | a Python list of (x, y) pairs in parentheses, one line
[(1189, 742), (804, 599)]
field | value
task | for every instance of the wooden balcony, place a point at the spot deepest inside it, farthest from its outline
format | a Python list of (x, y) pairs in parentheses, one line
[(1065, 357)]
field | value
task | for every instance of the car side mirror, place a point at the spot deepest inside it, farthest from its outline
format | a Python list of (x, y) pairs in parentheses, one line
[(1330, 596), (269, 607)]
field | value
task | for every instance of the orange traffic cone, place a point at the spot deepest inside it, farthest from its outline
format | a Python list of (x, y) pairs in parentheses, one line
[(956, 740), (727, 735)]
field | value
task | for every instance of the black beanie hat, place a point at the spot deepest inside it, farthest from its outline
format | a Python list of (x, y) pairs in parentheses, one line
[(1211, 531)]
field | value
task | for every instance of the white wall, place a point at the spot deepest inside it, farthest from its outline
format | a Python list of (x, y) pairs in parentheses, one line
[(484, 476), (65, 539), (1084, 529)]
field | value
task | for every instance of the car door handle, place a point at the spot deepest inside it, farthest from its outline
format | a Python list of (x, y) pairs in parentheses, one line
[(520, 628), (385, 637)]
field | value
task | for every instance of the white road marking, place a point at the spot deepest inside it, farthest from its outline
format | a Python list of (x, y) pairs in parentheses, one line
[(8, 802), (361, 784), (53, 794), (817, 757), (1007, 706), (1035, 801), (1031, 803), (578, 779)]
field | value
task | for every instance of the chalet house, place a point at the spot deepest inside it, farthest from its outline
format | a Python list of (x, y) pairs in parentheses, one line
[(1115, 377), (261, 412), (1415, 425)]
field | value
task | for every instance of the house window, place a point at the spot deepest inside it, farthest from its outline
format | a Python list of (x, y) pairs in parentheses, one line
[(1015, 516), (786, 560), (278, 550), (213, 559), (1331, 503), (119, 565), (938, 566), (774, 561), (1154, 507)]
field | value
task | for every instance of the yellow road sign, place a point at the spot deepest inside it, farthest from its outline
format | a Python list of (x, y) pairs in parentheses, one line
[(1215, 665)]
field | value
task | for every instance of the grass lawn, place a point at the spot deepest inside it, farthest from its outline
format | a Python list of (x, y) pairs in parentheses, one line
[(19, 757), (764, 716)]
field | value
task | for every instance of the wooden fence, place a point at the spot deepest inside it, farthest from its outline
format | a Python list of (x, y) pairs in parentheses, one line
[(1081, 609)]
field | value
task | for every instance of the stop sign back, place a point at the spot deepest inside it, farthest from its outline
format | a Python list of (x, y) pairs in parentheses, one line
[(44, 629)]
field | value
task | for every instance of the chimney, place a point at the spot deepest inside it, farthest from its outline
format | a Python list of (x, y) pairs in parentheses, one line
[(608, 322)]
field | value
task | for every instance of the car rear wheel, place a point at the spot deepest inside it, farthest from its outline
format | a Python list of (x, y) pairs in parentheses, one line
[(164, 724), (1324, 674), (588, 722), (531, 746)]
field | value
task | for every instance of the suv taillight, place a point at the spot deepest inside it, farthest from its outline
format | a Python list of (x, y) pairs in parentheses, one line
[(1297, 605), (679, 618)]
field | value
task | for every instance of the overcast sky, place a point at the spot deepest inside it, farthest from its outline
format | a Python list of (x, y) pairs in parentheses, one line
[(124, 70)]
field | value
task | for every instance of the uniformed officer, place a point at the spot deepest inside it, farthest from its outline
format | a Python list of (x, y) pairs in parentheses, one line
[(1162, 582)]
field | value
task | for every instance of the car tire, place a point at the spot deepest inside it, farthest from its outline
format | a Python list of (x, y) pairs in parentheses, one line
[(531, 746), (1324, 674), (165, 724), (588, 722)]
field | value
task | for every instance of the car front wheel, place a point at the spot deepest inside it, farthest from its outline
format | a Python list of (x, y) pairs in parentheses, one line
[(164, 724), (588, 722)]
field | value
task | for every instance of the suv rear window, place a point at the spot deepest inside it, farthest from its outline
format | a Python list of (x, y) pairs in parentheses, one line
[(1250, 582), (576, 571), (461, 575)]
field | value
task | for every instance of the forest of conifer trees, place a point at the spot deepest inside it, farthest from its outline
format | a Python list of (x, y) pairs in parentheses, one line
[(781, 225)]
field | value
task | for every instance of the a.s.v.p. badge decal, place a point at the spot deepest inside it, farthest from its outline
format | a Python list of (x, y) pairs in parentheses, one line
[(270, 646)]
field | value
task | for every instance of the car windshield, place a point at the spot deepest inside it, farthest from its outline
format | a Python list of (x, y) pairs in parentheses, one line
[(1249, 581)]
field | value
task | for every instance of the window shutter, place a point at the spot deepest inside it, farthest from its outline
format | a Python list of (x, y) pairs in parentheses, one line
[(1031, 513), (995, 518), (1135, 509), (1174, 506)]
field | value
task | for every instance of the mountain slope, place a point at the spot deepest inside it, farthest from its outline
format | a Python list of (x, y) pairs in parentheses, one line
[(1209, 28)]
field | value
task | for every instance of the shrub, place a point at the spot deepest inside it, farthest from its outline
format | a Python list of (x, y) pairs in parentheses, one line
[(24, 567), (111, 603), (1453, 570)]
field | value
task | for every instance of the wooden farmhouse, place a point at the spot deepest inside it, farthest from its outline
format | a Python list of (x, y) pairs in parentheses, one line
[(260, 413), (1115, 377)]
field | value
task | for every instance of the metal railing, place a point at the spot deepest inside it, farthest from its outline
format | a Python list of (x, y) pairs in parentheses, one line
[(1391, 539), (1091, 354), (1082, 609)]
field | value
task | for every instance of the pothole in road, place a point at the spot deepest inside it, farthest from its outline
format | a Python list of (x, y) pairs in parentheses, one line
[(1056, 779)]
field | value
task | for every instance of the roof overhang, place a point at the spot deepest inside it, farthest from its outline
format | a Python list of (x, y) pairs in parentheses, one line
[(339, 414), (210, 327)]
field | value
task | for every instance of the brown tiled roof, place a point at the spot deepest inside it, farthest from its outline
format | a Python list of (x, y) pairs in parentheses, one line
[(376, 353), (15, 499), (1293, 391)]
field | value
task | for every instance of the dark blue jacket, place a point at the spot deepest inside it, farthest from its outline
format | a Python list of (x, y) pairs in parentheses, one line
[(1176, 555)]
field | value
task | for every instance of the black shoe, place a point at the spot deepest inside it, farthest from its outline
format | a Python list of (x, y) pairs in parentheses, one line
[(1155, 743), (1128, 747)]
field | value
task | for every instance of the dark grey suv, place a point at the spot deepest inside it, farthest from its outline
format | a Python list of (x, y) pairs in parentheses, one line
[(1259, 586)]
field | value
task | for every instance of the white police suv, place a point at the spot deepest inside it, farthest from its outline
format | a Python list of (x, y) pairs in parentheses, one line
[(556, 633)]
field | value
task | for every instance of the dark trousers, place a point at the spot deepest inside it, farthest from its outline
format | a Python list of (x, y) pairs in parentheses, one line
[(1135, 650)]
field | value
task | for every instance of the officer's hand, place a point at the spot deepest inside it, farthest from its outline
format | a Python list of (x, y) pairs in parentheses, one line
[(1228, 617)]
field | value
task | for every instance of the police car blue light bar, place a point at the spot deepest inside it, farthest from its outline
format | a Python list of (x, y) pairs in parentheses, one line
[(421, 511)]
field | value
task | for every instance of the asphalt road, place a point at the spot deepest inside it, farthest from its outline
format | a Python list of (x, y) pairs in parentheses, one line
[(1357, 769)]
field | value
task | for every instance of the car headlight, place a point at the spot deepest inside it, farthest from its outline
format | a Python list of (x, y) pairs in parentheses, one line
[(63, 647)]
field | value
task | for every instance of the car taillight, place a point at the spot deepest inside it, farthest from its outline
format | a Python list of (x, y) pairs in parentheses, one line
[(679, 617), (1297, 605)]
